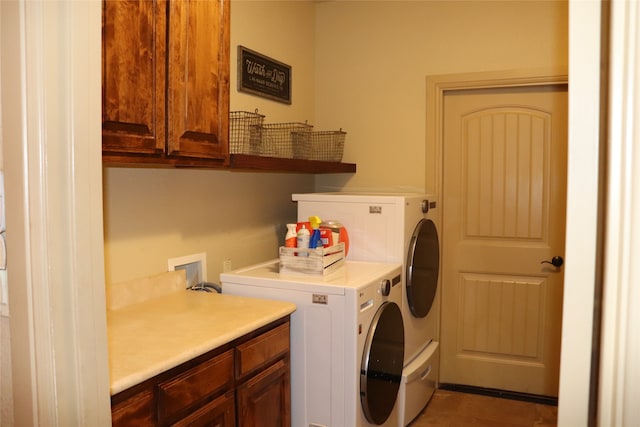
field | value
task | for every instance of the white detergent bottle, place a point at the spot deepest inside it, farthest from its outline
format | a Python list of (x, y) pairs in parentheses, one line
[(303, 239)]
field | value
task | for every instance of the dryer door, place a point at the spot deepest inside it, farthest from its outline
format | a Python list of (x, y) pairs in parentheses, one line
[(381, 369), (423, 267)]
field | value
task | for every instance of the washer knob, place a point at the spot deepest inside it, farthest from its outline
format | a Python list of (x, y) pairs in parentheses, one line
[(385, 287), (424, 205)]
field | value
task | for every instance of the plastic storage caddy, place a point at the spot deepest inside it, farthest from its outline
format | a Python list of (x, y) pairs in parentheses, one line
[(316, 261)]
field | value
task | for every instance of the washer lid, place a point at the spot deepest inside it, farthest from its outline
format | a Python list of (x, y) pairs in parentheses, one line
[(423, 266), (382, 359)]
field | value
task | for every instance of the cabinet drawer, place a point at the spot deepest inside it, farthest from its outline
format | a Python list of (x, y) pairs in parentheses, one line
[(262, 350), (195, 384), (221, 412)]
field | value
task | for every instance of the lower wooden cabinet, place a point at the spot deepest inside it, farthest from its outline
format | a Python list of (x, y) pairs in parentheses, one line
[(244, 383)]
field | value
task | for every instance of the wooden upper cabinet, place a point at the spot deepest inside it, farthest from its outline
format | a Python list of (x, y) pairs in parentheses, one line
[(198, 93), (165, 79), (133, 76)]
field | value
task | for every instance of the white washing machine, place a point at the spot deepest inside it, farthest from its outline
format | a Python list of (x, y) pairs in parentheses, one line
[(396, 228), (346, 350)]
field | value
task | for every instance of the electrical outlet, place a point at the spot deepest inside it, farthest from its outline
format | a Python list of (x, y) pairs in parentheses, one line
[(226, 266), (195, 266)]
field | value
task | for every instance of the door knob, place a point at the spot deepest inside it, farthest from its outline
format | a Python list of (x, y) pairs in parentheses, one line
[(556, 261)]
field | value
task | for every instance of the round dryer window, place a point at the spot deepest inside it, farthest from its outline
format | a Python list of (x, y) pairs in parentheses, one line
[(381, 370), (423, 265)]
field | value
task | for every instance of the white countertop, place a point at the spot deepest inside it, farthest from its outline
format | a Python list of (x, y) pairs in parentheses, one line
[(153, 336)]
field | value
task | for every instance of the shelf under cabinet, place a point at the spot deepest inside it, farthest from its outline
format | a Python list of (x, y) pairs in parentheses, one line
[(236, 162), (279, 164)]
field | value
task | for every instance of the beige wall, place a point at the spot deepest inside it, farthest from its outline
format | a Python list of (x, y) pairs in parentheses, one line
[(372, 59), (155, 214), (285, 31)]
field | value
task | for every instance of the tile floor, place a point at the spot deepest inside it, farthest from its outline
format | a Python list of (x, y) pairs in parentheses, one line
[(455, 409)]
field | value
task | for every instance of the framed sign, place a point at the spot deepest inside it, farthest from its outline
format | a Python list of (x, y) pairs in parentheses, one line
[(263, 76)]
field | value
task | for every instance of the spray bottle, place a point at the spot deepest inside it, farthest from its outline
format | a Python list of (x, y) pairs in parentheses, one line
[(315, 241)]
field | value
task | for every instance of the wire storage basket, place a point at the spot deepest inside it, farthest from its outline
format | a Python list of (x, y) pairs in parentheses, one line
[(244, 132), (324, 145), (277, 138)]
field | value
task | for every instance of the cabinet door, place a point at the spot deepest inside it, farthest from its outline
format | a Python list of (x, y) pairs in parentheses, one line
[(264, 400), (133, 76), (198, 79)]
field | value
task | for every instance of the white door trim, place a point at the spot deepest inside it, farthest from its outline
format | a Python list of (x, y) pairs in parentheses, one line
[(620, 346), (52, 154)]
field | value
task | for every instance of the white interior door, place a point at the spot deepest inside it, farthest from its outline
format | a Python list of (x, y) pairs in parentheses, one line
[(504, 200)]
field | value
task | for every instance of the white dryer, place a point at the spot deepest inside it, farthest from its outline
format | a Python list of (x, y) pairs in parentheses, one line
[(396, 228), (346, 352)]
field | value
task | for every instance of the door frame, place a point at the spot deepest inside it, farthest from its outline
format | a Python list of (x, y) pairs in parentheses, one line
[(438, 86)]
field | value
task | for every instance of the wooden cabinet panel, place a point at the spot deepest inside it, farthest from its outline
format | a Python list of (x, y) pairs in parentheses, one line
[(133, 76), (195, 384), (165, 80), (264, 400), (262, 350), (221, 412), (198, 79), (137, 411)]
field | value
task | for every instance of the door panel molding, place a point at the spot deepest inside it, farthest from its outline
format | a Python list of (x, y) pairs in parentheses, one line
[(512, 308), (504, 173), (438, 85)]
